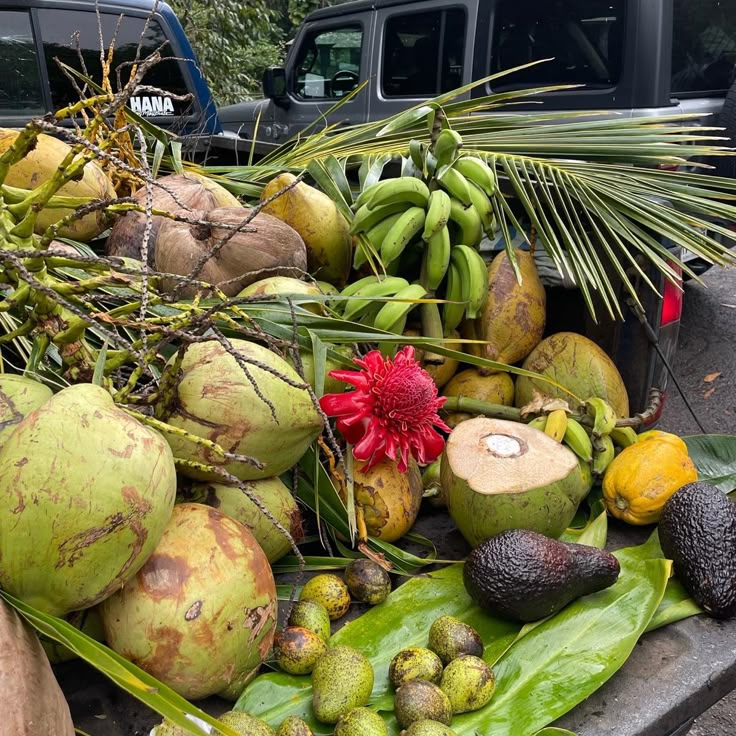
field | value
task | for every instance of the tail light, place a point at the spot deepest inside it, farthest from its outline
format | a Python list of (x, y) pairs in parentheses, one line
[(672, 301)]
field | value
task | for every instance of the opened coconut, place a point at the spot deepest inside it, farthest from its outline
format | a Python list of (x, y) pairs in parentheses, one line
[(33, 703), (513, 317), (264, 247), (19, 396), (258, 414), (172, 192), (201, 613), (499, 475), (86, 492), (579, 365), (316, 218), (388, 500), (39, 165), (272, 493)]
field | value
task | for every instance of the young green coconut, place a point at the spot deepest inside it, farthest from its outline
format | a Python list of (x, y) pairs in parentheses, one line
[(499, 475)]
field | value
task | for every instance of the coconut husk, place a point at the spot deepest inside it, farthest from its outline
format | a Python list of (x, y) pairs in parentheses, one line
[(177, 191), (33, 701), (264, 247)]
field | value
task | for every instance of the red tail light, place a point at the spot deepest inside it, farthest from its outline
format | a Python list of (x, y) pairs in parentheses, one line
[(671, 303)]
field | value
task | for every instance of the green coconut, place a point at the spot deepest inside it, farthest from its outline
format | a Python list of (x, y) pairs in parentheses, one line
[(201, 613), (274, 285), (331, 385), (86, 492), (579, 365), (258, 415), (273, 494), (19, 396), (499, 475), (88, 622)]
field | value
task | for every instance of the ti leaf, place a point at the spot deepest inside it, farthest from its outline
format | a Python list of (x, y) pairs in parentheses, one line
[(714, 456)]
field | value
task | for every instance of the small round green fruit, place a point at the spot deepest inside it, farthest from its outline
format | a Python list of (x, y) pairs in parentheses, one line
[(329, 591), (297, 650), (419, 700), (312, 616), (415, 663), (367, 581), (361, 722), (469, 683), (450, 638), (294, 726), (428, 728), (246, 724)]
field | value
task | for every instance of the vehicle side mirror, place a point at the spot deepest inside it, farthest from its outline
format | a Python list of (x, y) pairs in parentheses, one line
[(274, 84)]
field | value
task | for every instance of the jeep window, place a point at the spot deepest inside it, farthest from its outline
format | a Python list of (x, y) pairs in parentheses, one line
[(423, 53), (328, 63), (583, 39), (58, 31), (20, 82), (703, 47)]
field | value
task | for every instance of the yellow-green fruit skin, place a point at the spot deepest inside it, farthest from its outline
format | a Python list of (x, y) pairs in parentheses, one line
[(311, 615), (91, 490), (513, 318), (294, 726), (201, 613), (297, 650), (329, 591), (496, 388), (19, 396), (469, 683), (37, 168), (367, 581), (419, 700), (361, 722), (275, 285), (428, 728), (272, 493), (325, 232), (415, 663), (579, 365), (216, 400), (341, 681), (245, 724), (450, 638)]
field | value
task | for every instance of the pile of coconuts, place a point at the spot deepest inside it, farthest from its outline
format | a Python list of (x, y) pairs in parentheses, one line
[(97, 515)]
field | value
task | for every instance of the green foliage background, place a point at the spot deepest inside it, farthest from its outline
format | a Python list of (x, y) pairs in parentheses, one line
[(235, 40)]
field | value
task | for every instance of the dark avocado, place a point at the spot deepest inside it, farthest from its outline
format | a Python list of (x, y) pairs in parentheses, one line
[(525, 576), (697, 532)]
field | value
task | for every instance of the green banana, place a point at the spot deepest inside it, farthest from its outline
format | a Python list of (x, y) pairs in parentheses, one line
[(364, 197), (356, 286), (407, 189), (454, 308), (392, 315), (578, 440), (378, 232), (455, 184), (603, 453), (483, 206), (438, 213), (367, 218), (539, 423), (437, 257), (468, 222), (474, 274), (401, 234), (446, 146), (624, 436), (477, 171), (360, 254), (387, 286), (556, 424), (603, 416), (417, 153)]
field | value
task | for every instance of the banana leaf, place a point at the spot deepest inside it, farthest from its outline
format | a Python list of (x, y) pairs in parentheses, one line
[(714, 456), (543, 669)]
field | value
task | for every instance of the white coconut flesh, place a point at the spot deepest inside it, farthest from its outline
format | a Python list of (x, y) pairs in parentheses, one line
[(494, 456)]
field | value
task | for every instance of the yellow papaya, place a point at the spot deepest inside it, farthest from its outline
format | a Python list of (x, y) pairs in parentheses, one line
[(644, 475)]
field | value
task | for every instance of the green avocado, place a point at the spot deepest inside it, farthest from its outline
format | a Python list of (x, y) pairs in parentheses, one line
[(697, 531), (525, 576)]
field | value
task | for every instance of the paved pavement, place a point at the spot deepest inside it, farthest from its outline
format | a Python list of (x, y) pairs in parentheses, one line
[(707, 347)]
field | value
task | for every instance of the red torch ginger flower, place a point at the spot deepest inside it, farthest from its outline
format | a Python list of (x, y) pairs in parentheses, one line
[(393, 411)]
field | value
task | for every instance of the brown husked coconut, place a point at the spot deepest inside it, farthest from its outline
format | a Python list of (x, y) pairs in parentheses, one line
[(264, 247), (33, 703), (176, 191)]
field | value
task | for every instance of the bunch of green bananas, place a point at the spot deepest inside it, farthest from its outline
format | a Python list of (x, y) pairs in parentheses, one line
[(448, 214), (595, 445)]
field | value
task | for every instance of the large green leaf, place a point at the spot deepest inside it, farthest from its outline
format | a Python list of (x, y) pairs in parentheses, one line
[(544, 669), (714, 456)]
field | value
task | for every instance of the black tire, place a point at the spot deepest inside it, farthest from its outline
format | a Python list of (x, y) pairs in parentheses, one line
[(726, 165)]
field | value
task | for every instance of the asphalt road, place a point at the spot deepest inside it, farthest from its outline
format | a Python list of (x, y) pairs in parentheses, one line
[(705, 367)]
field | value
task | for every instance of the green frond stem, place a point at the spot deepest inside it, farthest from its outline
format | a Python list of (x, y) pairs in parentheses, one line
[(18, 299), (25, 329)]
